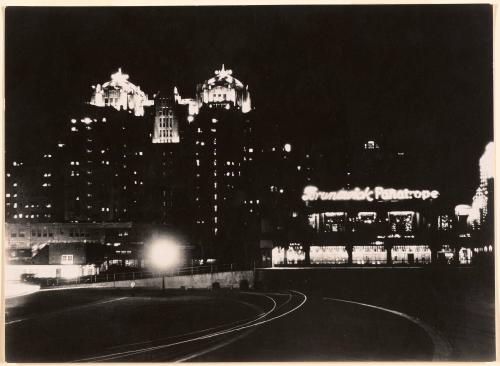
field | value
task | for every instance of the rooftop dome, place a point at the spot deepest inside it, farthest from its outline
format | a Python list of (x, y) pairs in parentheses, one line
[(224, 77), (120, 94)]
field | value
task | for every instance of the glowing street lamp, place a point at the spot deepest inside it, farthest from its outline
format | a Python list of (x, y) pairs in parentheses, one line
[(164, 254)]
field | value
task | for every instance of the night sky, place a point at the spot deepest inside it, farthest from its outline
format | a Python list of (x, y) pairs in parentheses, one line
[(418, 77)]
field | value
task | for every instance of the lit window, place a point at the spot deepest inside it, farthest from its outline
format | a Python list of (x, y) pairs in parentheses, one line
[(67, 259)]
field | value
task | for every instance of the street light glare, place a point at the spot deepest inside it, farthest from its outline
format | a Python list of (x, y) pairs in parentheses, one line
[(164, 254)]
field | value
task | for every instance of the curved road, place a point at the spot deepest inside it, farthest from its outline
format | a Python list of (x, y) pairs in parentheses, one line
[(92, 325)]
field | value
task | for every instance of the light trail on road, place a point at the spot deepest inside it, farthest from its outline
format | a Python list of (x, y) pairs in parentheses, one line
[(75, 308), (248, 320), (245, 326), (442, 349)]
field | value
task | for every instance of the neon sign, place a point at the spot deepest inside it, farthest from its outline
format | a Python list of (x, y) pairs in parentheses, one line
[(312, 193)]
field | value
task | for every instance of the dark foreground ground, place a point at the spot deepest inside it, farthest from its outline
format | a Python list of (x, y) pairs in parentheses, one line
[(298, 317)]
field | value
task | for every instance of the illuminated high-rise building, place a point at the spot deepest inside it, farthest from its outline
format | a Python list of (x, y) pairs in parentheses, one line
[(120, 94), (168, 168), (222, 90), (166, 123), (105, 164), (480, 200), (223, 154)]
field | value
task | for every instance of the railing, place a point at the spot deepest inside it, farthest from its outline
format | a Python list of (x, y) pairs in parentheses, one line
[(113, 277)]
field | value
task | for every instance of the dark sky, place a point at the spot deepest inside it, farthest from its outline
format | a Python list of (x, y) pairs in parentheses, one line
[(418, 76)]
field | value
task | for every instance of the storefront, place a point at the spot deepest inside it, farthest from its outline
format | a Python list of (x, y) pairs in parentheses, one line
[(365, 226)]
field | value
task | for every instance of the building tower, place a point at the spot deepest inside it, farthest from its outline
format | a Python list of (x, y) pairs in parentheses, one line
[(120, 94), (480, 200), (166, 124), (223, 152), (168, 178)]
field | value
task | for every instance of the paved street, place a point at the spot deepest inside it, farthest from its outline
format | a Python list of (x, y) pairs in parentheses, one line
[(197, 325), (229, 326)]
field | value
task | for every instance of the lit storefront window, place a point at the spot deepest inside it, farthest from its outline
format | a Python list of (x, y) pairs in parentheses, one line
[(294, 255), (367, 217), (328, 255), (314, 220), (411, 254), (465, 256), (444, 222), (369, 254), (445, 255), (334, 221), (401, 221)]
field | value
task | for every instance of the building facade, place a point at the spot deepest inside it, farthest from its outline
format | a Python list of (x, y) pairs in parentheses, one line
[(222, 153), (372, 211)]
